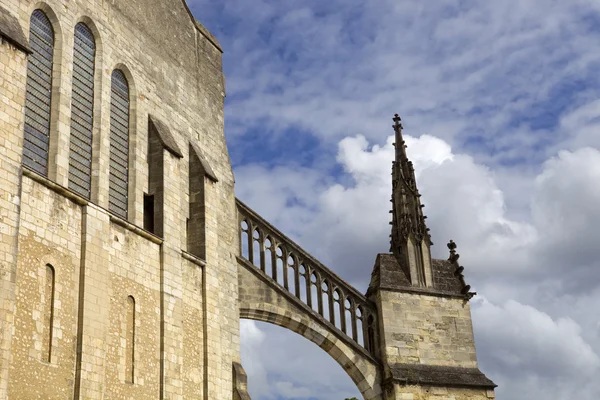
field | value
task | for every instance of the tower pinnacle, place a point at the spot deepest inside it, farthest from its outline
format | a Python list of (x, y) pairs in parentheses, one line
[(410, 239)]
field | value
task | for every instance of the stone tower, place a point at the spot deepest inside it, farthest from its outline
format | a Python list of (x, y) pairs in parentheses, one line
[(118, 226), (425, 336)]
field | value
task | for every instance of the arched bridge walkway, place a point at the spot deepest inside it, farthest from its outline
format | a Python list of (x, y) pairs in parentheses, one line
[(282, 284)]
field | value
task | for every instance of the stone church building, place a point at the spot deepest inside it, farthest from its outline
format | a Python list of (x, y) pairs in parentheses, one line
[(126, 262)]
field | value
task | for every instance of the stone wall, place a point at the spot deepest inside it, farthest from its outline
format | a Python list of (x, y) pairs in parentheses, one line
[(13, 69), (440, 393), (111, 280), (426, 329)]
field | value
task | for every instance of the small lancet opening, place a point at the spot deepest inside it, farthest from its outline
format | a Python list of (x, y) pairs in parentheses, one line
[(48, 304), (130, 341)]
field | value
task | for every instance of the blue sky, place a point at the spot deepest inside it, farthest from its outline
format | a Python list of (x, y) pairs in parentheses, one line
[(501, 102)]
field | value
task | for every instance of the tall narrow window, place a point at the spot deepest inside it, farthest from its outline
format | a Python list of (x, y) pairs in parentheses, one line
[(130, 340), (82, 105), (119, 144), (48, 304), (39, 91)]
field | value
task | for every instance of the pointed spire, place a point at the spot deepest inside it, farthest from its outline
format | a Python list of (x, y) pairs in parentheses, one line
[(408, 221)]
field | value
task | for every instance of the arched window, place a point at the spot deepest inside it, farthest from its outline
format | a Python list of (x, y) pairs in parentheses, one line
[(48, 303), (119, 144), (130, 341), (39, 93), (82, 105)]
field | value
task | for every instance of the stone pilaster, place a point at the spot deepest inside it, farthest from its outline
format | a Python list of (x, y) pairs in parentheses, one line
[(13, 74)]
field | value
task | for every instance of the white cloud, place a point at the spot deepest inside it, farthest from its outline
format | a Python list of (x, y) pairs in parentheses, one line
[(533, 355), (565, 207), (520, 339)]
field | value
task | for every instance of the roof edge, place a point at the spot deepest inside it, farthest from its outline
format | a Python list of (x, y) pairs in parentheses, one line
[(437, 375), (12, 32), (165, 136), (208, 171), (200, 28)]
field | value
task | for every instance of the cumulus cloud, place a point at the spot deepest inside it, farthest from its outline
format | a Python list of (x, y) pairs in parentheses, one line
[(565, 207), (518, 338)]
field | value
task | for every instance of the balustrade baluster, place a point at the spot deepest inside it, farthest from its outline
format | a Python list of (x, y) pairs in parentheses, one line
[(274, 247), (342, 307), (300, 270), (353, 319), (261, 242), (320, 296), (286, 265), (332, 300), (308, 287), (251, 242), (275, 267)]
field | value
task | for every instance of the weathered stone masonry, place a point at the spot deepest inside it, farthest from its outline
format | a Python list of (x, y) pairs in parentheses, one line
[(135, 288), (185, 316)]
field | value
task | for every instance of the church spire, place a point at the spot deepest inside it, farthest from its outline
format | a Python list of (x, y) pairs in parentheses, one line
[(410, 239)]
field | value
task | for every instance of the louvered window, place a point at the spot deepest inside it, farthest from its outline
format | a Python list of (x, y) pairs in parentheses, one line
[(39, 90), (119, 144), (82, 104)]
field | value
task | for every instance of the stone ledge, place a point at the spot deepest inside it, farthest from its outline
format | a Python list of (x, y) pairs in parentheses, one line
[(10, 30), (77, 199), (435, 375), (135, 229), (193, 259), (423, 291)]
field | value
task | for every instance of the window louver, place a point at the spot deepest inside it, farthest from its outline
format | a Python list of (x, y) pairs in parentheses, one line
[(39, 91), (82, 103), (119, 144)]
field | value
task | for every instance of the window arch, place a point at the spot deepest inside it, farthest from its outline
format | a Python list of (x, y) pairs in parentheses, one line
[(119, 144), (39, 93), (82, 111)]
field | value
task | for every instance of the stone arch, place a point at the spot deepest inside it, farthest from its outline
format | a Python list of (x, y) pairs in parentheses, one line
[(364, 372)]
